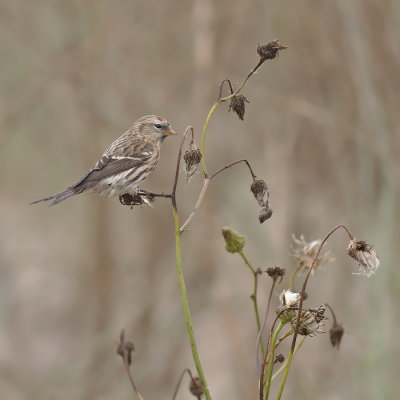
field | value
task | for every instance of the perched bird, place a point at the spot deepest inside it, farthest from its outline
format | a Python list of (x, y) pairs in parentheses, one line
[(125, 164)]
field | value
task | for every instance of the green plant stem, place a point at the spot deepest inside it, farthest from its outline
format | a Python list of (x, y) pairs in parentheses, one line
[(278, 342), (244, 81), (214, 107), (185, 303), (203, 136), (303, 290), (287, 367), (292, 276), (271, 358), (254, 295), (284, 364)]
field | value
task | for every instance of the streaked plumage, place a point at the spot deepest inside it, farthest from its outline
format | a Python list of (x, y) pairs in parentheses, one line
[(125, 164)]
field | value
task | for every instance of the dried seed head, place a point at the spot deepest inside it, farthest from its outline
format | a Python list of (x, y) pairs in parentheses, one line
[(234, 242), (125, 349), (289, 299), (312, 321), (192, 159), (237, 104), (367, 259), (279, 359), (196, 387), (270, 51), (265, 213), (336, 334), (275, 272), (303, 253), (259, 187), (260, 190)]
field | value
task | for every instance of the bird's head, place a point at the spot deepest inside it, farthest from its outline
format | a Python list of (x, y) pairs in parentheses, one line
[(154, 127)]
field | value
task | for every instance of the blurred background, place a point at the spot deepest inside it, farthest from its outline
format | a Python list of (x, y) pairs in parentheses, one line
[(322, 127)]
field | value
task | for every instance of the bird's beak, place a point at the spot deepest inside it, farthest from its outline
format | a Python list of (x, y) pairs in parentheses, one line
[(170, 132)]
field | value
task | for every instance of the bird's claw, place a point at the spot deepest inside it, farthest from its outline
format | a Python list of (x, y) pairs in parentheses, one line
[(139, 198)]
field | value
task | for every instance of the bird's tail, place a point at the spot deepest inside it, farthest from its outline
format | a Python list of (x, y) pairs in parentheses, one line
[(59, 197)]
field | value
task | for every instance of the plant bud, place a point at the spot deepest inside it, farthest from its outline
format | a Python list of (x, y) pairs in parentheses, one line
[(234, 242)]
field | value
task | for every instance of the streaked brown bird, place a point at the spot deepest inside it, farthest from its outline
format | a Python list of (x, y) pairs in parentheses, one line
[(125, 164)]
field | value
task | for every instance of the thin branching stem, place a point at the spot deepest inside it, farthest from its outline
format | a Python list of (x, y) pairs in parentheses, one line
[(271, 358), (254, 294), (286, 335), (244, 82), (222, 85), (279, 341), (292, 276), (179, 230), (204, 188), (333, 313), (298, 345), (182, 286), (125, 357), (260, 331), (253, 175), (204, 134), (203, 137), (206, 182), (189, 372), (186, 309), (215, 105), (303, 290), (178, 163), (262, 373)]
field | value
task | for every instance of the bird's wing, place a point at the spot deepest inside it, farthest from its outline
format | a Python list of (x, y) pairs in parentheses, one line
[(109, 165)]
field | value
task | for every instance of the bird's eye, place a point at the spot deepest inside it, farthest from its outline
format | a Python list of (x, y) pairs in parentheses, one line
[(158, 126)]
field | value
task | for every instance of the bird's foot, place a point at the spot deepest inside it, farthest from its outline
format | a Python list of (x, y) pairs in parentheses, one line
[(139, 198)]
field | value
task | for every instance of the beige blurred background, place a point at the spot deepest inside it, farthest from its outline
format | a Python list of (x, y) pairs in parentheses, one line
[(322, 127)]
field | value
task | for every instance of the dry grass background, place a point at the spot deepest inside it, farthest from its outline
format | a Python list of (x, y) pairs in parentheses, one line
[(322, 127)]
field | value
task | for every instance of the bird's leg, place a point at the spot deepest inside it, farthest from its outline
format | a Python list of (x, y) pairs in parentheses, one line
[(152, 195), (140, 197)]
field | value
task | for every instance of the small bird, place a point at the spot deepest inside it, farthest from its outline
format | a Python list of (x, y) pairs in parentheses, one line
[(125, 164)]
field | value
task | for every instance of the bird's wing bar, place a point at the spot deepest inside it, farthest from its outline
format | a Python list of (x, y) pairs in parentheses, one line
[(106, 167)]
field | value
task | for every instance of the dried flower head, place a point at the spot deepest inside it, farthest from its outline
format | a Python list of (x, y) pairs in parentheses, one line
[(124, 348), (367, 259), (195, 387), (275, 272), (237, 104), (270, 51), (265, 213), (234, 242), (259, 187), (279, 358), (312, 321), (192, 159), (260, 190), (289, 299), (303, 253), (336, 334)]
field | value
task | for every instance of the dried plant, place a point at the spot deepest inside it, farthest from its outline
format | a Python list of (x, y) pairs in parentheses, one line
[(291, 316)]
